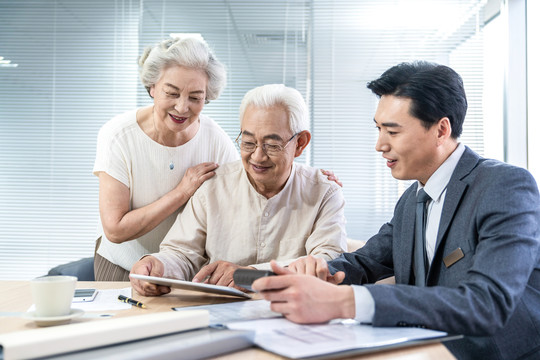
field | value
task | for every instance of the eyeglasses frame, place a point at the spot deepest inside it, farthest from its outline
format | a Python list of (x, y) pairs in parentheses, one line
[(263, 146)]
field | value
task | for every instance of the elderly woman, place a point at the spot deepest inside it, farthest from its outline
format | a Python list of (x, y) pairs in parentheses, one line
[(151, 160)]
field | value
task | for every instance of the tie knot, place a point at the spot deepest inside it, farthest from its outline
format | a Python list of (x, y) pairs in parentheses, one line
[(422, 196)]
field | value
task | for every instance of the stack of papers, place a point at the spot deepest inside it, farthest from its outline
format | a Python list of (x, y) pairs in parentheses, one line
[(297, 341), (281, 336)]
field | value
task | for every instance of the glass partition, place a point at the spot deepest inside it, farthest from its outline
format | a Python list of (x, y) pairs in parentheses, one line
[(77, 68)]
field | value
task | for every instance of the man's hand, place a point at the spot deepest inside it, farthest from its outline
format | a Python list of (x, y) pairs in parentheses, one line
[(151, 266), (219, 273), (305, 299), (311, 265)]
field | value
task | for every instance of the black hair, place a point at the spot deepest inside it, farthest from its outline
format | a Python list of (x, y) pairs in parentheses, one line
[(436, 91)]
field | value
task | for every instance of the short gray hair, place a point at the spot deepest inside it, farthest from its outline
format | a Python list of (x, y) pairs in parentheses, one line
[(278, 94), (188, 52)]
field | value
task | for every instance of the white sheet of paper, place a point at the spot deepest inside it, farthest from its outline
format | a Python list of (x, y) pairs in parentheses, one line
[(104, 300), (298, 341), (235, 311)]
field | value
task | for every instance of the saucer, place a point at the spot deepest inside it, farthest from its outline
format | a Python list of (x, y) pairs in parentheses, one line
[(53, 320)]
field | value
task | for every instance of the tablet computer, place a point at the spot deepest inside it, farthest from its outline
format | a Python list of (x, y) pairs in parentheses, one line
[(188, 285)]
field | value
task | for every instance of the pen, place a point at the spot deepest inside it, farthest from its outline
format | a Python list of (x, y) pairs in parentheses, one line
[(131, 301)]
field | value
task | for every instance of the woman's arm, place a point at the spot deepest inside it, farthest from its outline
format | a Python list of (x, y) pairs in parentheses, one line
[(122, 224)]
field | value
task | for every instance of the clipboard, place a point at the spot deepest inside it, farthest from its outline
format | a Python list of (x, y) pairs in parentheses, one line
[(188, 285)]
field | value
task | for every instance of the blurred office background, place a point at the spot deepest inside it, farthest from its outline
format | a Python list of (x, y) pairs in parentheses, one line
[(68, 66)]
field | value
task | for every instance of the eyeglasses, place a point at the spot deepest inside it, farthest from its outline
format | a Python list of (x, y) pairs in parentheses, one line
[(268, 149)]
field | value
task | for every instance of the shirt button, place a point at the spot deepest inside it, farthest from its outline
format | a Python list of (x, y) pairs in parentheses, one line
[(263, 244), (266, 214)]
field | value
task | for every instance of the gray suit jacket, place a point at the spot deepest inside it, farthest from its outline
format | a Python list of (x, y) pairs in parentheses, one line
[(492, 294)]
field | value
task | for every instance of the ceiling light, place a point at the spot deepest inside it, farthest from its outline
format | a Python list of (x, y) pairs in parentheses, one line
[(7, 63)]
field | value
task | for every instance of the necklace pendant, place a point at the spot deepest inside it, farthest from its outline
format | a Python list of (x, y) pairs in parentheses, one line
[(171, 165)]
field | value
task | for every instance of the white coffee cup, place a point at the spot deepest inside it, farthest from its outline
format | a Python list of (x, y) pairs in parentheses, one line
[(52, 295)]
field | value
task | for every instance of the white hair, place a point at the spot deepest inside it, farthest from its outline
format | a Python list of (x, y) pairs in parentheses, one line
[(278, 94), (188, 52)]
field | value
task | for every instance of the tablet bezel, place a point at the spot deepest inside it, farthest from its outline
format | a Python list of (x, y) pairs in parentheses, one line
[(188, 285)]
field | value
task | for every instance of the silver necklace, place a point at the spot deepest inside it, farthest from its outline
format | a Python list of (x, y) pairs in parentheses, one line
[(171, 163)]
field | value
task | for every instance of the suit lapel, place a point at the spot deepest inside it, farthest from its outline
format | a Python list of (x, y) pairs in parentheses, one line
[(454, 192)]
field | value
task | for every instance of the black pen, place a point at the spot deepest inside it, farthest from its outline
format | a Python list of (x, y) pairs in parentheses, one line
[(131, 301)]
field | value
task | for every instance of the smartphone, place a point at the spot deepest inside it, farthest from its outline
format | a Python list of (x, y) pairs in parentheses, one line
[(245, 277), (84, 295)]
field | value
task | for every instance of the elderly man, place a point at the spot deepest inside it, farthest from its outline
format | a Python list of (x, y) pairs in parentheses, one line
[(463, 244), (264, 207)]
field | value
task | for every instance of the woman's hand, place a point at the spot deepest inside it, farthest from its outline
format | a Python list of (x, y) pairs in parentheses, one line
[(195, 176), (331, 176)]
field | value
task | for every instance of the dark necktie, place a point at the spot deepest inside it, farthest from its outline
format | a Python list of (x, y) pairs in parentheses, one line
[(420, 258)]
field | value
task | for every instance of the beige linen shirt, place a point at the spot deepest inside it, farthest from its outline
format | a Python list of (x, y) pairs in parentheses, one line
[(227, 219)]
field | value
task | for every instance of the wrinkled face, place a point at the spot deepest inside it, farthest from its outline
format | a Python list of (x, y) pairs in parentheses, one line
[(409, 148), (267, 126), (179, 97)]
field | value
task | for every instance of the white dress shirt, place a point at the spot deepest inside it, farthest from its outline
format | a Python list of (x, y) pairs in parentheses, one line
[(436, 189)]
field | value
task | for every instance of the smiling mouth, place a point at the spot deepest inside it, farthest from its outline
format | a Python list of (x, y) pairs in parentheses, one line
[(178, 119), (259, 167), (390, 163)]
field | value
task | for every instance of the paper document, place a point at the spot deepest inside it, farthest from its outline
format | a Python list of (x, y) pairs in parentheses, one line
[(236, 311), (105, 300), (296, 341)]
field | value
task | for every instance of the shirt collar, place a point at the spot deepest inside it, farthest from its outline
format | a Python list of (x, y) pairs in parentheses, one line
[(439, 180)]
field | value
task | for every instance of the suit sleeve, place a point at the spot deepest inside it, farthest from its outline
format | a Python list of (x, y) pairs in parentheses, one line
[(373, 261), (499, 233)]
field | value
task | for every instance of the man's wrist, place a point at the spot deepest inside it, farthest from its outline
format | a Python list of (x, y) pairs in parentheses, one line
[(347, 305)]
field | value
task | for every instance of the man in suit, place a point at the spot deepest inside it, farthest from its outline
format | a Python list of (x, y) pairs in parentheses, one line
[(476, 270)]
